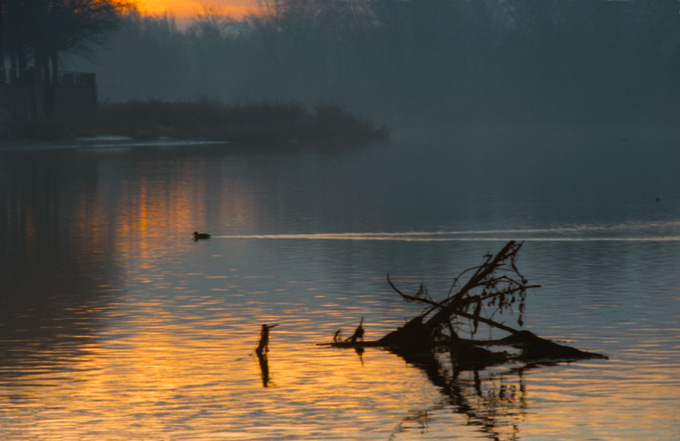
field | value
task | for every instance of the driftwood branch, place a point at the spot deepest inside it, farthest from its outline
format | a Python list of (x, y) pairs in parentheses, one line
[(495, 287), (263, 345), (261, 352), (437, 305)]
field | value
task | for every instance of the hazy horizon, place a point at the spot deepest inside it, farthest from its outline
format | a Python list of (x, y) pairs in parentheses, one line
[(496, 59)]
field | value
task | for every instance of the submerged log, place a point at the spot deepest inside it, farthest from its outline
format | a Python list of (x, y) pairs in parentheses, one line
[(536, 349), (353, 344)]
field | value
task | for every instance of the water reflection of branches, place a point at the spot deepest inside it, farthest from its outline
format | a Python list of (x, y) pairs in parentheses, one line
[(360, 354), (493, 401)]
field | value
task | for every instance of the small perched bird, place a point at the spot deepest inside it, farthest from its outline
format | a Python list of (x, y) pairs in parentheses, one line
[(198, 235), (358, 333)]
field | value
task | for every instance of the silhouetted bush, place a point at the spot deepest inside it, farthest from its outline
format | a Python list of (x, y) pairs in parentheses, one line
[(264, 121)]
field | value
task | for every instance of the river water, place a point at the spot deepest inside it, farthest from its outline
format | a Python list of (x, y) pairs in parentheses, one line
[(115, 324)]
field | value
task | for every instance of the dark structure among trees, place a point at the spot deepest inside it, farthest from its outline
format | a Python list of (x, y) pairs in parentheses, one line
[(34, 35)]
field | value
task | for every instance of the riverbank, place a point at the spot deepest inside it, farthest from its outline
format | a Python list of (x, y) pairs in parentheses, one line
[(206, 120)]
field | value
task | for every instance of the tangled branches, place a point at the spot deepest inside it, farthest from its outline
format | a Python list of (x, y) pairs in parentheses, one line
[(492, 288)]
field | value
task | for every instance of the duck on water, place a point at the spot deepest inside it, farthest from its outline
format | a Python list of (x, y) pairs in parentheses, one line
[(198, 235)]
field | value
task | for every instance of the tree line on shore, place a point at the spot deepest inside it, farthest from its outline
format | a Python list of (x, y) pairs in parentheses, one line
[(536, 60), (548, 59)]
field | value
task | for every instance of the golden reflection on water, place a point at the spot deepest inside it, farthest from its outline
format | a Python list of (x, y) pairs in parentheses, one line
[(155, 381), (147, 215), (150, 212), (157, 372)]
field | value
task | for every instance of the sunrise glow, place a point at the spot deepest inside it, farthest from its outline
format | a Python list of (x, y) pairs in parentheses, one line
[(188, 8)]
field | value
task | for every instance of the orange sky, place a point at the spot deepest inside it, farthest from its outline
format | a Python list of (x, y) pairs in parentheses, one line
[(184, 8)]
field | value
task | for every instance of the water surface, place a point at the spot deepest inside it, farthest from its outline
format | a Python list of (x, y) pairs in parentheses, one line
[(116, 325)]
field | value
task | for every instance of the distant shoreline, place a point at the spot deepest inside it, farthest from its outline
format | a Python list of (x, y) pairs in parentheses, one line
[(263, 122), (104, 142)]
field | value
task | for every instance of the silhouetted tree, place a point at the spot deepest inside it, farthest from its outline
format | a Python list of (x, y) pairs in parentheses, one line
[(2, 52), (42, 30)]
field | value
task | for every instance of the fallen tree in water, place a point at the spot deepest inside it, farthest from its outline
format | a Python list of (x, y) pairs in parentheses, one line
[(477, 296)]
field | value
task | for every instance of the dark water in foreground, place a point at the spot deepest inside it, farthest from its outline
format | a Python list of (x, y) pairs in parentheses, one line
[(116, 325)]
